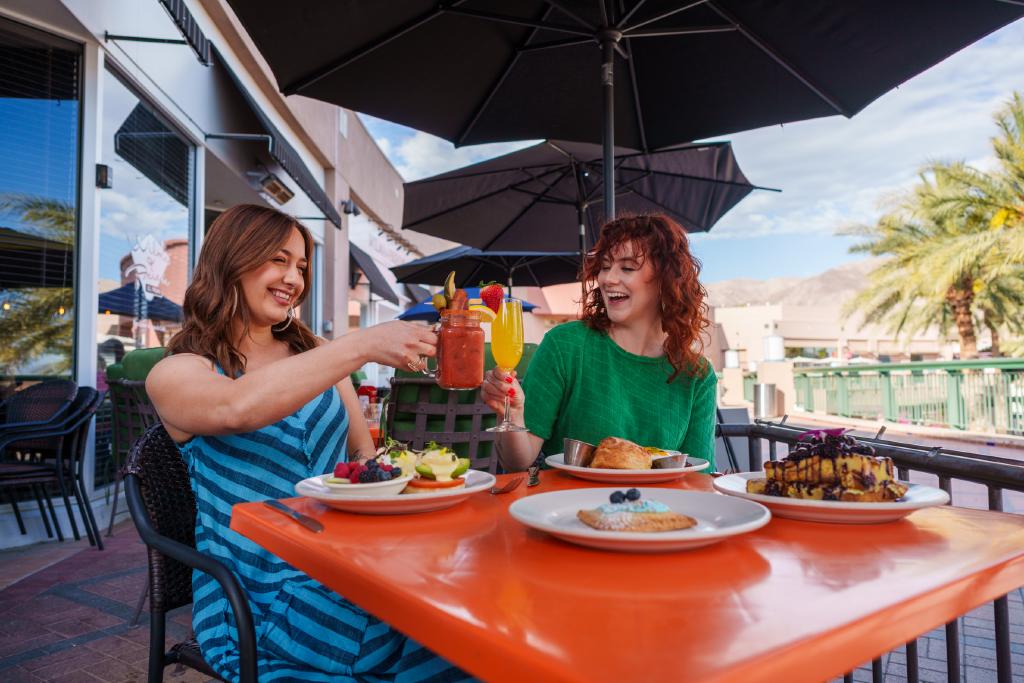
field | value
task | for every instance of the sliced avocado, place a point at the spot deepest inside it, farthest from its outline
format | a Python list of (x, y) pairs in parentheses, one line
[(461, 469), (425, 471)]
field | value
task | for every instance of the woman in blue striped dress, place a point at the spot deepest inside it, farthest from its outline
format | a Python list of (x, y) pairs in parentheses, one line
[(257, 402)]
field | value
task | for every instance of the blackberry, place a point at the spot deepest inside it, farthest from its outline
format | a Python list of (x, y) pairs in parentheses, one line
[(366, 477), (395, 473), (633, 494)]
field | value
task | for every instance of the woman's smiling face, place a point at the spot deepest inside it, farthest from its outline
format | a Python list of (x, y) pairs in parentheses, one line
[(271, 289), (628, 286)]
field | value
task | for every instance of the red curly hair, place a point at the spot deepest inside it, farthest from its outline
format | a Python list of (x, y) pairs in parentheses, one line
[(684, 309)]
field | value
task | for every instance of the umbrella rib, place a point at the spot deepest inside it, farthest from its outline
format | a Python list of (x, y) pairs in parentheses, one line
[(568, 12), (519, 215), (775, 56), (518, 21), (482, 197), (629, 15), (716, 181), (685, 219), (340, 63), (569, 42), (493, 90), (687, 31), (631, 62), (663, 15)]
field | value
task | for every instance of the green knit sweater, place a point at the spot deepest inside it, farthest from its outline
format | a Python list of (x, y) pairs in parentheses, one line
[(581, 384)]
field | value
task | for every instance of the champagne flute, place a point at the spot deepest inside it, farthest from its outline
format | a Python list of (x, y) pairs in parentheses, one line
[(507, 349)]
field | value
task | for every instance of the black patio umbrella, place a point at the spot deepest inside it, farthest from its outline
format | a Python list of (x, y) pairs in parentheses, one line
[(474, 71), (129, 300), (536, 197), (473, 266)]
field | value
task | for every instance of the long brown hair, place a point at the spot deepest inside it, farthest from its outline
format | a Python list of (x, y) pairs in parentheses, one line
[(684, 309), (241, 239)]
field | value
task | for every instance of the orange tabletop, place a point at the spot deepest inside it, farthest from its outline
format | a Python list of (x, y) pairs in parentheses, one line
[(791, 601)]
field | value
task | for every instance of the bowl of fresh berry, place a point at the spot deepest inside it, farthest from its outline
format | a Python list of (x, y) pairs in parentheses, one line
[(371, 478)]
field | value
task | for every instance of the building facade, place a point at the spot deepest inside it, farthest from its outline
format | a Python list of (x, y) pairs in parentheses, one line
[(126, 127)]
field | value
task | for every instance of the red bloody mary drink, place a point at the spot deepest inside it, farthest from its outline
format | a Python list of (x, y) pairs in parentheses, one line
[(460, 350)]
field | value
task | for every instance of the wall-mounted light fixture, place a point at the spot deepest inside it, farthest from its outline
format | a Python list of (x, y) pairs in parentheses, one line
[(276, 188), (104, 177), (350, 208)]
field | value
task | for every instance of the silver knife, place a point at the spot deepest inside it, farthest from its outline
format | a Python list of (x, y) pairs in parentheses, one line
[(304, 520)]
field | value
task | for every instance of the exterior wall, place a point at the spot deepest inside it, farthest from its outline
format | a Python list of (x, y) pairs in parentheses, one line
[(197, 100), (744, 328)]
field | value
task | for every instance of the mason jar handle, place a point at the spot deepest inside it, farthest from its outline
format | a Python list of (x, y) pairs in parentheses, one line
[(424, 365)]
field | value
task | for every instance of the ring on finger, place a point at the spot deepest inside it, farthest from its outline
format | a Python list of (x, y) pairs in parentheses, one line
[(414, 365)]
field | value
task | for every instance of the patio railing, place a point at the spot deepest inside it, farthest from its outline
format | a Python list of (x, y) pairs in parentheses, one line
[(995, 473), (981, 395)]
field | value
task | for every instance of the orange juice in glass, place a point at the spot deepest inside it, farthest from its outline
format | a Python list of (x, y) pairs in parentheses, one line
[(507, 349)]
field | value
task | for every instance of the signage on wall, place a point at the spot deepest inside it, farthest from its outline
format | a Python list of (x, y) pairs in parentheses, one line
[(149, 263)]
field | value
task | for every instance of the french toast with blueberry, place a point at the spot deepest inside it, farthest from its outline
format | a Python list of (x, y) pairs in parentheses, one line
[(831, 467)]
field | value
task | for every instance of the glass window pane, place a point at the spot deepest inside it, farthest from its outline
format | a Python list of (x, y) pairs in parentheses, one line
[(144, 226), (39, 120)]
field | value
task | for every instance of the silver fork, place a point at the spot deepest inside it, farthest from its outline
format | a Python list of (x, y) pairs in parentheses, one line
[(507, 487)]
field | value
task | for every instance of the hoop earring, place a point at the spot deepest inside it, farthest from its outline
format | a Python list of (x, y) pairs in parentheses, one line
[(291, 316)]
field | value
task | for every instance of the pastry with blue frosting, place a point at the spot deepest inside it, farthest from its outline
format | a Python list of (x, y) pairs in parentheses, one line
[(625, 511)]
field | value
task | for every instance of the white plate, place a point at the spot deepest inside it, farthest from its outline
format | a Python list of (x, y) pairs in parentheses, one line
[(834, 511), (377, 488), (606, 476), (718, 517), (394, 503)]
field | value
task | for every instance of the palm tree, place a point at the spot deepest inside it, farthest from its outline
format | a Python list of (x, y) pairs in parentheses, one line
[(37, 322), (926, 281), (996, 198)]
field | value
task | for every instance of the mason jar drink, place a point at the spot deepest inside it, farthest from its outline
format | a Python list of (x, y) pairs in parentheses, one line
[(460, 351)]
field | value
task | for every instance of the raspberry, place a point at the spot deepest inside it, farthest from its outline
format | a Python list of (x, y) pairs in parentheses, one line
[(341, 470)]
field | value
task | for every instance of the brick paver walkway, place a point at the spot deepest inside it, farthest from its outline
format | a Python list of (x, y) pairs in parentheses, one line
[(70, 621)]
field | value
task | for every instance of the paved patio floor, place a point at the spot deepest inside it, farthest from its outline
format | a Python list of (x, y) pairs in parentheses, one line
[(65, 616)]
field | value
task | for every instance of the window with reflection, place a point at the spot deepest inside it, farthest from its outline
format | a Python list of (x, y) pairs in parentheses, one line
[(145, 216), (39, 132), (144, 231)]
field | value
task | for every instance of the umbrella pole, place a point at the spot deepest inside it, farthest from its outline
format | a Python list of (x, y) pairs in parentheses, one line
[(609, 39)]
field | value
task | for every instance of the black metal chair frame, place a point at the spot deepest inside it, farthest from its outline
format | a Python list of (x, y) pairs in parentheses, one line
[(995, 473), (69, 435), (423, 409), (163, 508), (132, 414)]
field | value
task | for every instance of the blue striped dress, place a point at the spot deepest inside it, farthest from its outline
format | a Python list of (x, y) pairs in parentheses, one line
[(304, 631)]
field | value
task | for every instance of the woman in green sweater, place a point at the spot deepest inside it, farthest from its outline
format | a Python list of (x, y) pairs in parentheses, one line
[(632, 367)]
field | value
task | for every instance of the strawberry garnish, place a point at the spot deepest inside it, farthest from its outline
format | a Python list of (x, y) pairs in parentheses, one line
[(492, 294)]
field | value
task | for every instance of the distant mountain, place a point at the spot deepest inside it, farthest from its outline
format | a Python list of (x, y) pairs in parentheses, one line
[(835, 285)]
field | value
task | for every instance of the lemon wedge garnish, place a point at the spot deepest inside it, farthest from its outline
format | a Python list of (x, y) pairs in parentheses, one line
[(486, 314)]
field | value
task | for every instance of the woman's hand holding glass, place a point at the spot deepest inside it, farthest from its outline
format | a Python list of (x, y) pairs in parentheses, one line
[(500, 386), (399, 344)]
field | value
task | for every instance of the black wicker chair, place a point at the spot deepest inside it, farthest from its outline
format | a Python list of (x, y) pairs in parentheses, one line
[(133, 413), (163, 508), (38, 406), (59, 460)]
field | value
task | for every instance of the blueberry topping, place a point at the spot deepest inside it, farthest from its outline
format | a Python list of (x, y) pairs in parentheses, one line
[(633, 494), (618, 497)]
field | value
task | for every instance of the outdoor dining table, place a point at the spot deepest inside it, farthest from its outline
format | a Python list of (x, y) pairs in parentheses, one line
[(791, 601)]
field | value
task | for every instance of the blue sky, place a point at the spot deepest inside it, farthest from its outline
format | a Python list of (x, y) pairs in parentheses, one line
[(833, 172)]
